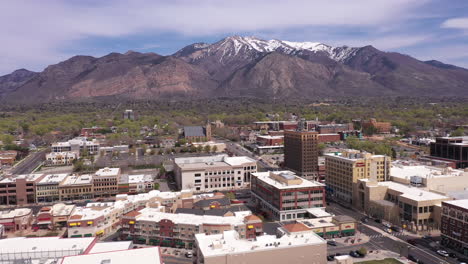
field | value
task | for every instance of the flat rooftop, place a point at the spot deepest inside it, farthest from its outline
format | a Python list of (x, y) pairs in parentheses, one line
[(53, 179), (43, 247), (413, 193), (229, 242), (154, 215), (6, 214), (402, 171), (211, 161), (459, 203), (107, 172), (78, 179), (111, 246), (140, 178), (27, 177), (271, 137), (265, 177), (149, 255)]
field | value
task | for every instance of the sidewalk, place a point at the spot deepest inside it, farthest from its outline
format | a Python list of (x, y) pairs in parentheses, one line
[(357, 239)]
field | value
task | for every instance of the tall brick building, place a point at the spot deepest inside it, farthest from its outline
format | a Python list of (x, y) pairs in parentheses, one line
[(454, 227), (301, 153)]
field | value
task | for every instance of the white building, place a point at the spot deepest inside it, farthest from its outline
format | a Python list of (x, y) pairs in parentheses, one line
[(61, 158), (209, 173), (140, 183), (441, 180), (77, 144), (228, 247), (149, 255)]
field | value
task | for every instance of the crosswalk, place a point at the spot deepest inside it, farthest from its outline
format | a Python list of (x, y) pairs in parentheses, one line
[(382, 235)]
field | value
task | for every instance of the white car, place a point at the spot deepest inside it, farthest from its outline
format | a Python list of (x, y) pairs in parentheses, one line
[(189, 254), (443, 253)]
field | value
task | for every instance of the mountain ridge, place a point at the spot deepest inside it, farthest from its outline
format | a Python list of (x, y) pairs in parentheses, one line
[(238, 66)]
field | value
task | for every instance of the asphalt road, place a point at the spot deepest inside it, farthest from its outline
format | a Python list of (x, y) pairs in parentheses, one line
[(29, 163), (238, 150)]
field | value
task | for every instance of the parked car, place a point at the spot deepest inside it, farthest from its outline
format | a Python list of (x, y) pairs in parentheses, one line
[(443, 253), (411, 241), (387, 225), (396, 228), (330, 258), (452, 255), (365, 220), (189, 254), (355, 254), (331, 243), (378, 220)]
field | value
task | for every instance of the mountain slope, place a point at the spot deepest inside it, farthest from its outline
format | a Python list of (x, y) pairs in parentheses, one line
[(10, 82), (239, 66)]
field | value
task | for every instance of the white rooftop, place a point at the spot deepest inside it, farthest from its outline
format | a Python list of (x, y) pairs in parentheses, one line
[(151, 214), (27, 177), (78, 179), (270, 137), (265, 177), (141, 256), (108, 172), (111, 246), (140, 178), (42, 247), (62, 209), (230, 243), (14, 213), (413, 193), (402, 171), (211, 161), (459, 203), (53, 178)]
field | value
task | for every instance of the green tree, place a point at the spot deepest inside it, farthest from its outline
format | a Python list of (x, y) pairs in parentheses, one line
[(362, 251), (458, 132), (230, 195), (214, 149), (207, 148)]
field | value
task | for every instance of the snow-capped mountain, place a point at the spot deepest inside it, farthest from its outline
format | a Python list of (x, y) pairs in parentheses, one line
[(239, 66)]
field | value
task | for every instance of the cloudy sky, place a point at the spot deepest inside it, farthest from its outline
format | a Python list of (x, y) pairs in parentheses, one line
[(39, 33)]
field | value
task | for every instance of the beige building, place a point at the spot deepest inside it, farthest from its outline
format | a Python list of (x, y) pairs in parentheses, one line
[(299, 247), (344, 169), (414, 208), (209, 173), (76, 187), (106, 182), (60, 158), (47, 189)]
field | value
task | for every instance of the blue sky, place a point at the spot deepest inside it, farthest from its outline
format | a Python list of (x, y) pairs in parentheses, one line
[(40, 33)]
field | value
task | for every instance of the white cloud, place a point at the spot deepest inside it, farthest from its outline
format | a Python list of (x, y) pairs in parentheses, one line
[(458, 23), (35, 33)]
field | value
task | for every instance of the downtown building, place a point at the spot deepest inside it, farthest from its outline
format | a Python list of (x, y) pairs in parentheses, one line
[(301, 153), (284, 196), (454, 226), (212, 173), (343, 170), (451, 149)]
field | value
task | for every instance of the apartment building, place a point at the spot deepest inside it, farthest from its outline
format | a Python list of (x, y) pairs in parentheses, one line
[(47, 189), (414, 208), (301, 153), (60, 158), (19, 189), (210, 173), (451, 149), (344, 169), (284, 196), (380, 127), (298, 246), (106, 182), (76, 187), (454, 225), (151, 226)]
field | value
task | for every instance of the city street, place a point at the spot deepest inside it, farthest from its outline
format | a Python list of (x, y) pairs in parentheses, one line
[(423, 250), (29, 163)]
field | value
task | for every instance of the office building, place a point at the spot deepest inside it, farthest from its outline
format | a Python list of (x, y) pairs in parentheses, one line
[(301, 153), (284, 196), (454, 226), (415, 208), (344, 169), (60, 158), (77, 145), (451, 149), (210, 173)]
